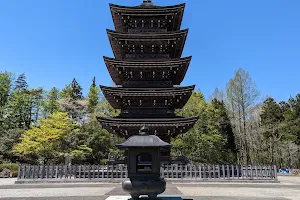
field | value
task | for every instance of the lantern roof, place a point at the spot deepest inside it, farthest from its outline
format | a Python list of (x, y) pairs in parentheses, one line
[(144, 140)]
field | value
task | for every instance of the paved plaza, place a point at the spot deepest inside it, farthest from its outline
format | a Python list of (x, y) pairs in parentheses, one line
[(287, 189)]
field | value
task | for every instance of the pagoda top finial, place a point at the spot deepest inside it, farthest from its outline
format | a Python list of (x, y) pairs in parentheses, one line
[(147, 3)]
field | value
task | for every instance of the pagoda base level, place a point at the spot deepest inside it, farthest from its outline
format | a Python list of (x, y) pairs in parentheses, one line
[(151, 188)]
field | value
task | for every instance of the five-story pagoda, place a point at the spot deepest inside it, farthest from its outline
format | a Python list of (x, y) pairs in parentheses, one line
[(147, 69)]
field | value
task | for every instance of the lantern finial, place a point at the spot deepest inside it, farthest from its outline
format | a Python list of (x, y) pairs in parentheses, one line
[(144, 130)]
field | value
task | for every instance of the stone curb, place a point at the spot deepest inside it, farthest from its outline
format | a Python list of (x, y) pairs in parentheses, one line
[(40, 181)]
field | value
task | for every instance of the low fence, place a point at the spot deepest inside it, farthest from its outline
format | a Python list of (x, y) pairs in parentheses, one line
[(171, 172)]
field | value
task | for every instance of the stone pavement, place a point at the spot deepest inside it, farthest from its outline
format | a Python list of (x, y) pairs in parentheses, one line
[(287, 189)]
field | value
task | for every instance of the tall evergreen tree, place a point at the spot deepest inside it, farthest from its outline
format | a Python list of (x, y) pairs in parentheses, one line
[(271, 113), (72, 101), (76, 90), (93, 97), (21, 83), (19, 105), (5, 90), (224, 124), (36, 101), (204, 143), (72, 91), (51, 103), (292, 118), (271, 117)]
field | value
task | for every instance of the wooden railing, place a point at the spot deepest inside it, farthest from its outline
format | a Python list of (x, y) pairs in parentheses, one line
[(172, 172)]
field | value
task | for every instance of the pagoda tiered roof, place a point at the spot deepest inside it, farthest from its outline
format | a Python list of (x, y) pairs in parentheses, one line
[(152, 72), (132, 46), (172, 98), (147, 69), (145, 18), (162, 127)]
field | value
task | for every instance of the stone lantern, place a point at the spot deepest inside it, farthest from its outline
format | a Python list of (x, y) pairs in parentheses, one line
[(144, 165)]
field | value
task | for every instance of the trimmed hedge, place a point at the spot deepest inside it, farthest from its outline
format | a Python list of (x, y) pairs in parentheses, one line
[(10, 166), (13, 167)]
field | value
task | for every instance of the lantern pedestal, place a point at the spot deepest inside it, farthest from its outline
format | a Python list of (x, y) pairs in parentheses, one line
[(143, 198), (152, 188)]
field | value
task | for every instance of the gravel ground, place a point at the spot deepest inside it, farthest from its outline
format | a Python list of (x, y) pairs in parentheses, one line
[(287, 189), (7, 181), (55, 192), (293, 194)]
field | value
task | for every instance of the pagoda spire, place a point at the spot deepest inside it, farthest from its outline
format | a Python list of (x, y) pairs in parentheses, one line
[(147, 3)]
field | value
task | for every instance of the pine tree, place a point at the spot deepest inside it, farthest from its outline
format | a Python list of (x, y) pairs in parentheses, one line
[(271, 113), (76, 90), (72, 91), (21, 83), (72, 101), (52, 104), (93, 97), (19, 105), (5, 90), (271, 117), (225, 125)]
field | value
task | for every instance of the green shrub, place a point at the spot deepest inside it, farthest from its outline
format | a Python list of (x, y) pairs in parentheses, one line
[(10, 166), (14, 173), (103, 162)]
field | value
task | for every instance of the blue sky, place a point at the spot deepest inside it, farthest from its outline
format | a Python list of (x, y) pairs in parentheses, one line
[(52, 41)]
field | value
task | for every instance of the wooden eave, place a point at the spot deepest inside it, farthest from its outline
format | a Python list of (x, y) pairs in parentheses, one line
[(131, 126), (141, 11), (159, 121), (154, 38), (146, 91), (112, 65), (117, 96)]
